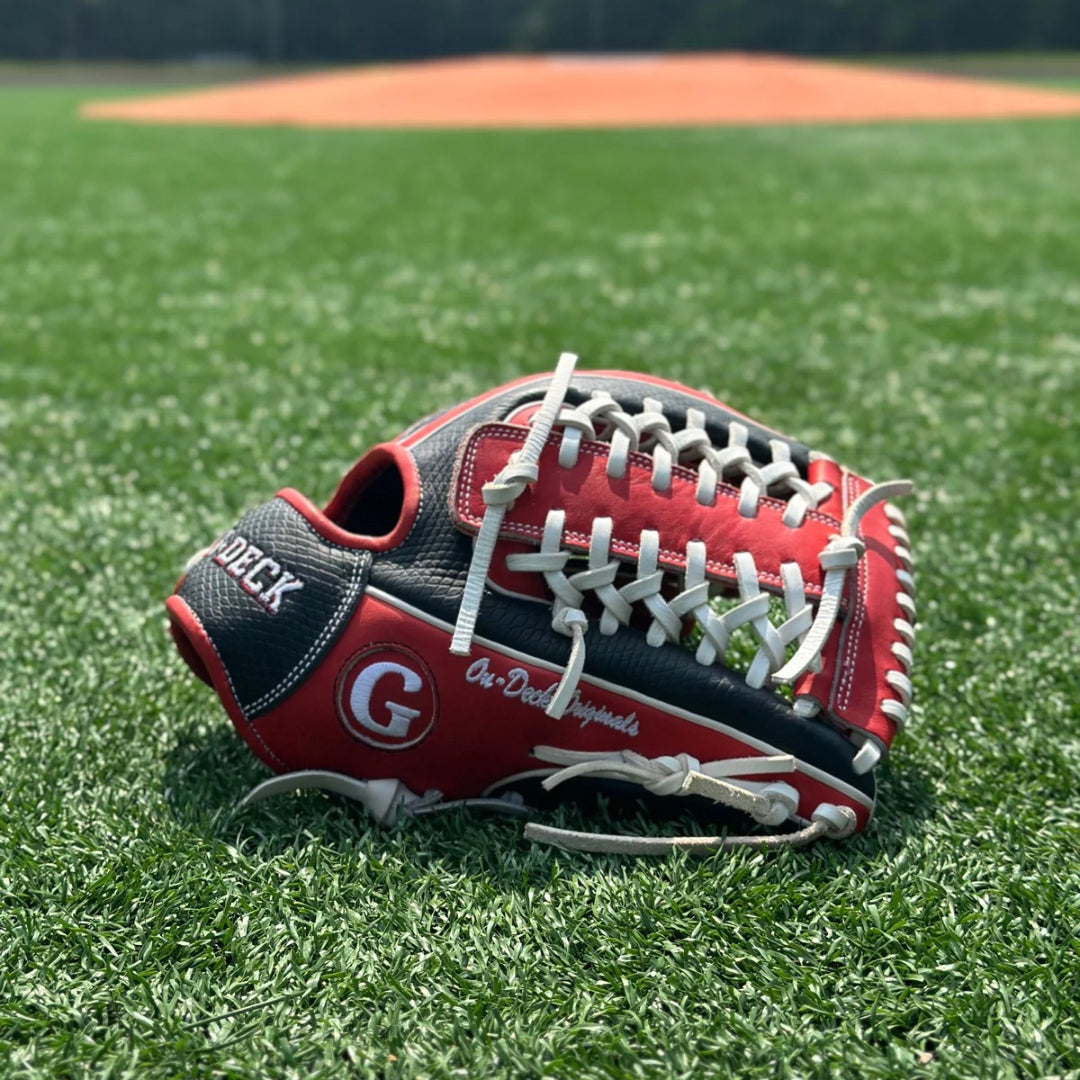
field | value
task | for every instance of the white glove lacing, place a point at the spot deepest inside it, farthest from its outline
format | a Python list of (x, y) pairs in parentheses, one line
[(650, 432)]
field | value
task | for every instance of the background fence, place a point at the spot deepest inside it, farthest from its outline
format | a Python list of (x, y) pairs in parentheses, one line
[(302, 30)]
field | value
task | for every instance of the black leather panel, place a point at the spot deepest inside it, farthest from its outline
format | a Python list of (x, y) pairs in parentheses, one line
[(630, 394), (272, 625)]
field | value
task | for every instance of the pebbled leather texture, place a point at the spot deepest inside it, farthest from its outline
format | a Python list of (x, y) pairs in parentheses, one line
[(268, 654)]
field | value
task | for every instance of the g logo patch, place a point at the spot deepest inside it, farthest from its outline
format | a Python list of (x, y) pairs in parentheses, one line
[(386, 698)]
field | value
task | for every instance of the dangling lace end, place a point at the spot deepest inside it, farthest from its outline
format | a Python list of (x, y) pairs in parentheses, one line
[(469, 611), (827, 821), (383, 799), (612, 844), (569, 621)]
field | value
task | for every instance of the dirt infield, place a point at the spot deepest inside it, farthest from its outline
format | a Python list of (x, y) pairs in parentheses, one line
[(582, 91)]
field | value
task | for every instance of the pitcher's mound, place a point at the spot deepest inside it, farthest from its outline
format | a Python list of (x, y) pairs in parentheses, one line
[(583, 91)]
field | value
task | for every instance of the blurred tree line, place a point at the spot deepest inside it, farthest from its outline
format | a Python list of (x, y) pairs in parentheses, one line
[(298, 30)]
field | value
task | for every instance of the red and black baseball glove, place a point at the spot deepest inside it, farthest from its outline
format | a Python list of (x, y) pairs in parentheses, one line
[(599, 582)]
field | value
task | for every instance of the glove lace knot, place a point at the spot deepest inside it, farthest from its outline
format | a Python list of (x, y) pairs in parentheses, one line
[(768, 802)]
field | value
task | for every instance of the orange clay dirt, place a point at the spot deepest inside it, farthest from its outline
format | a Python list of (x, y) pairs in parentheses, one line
[(594, 91)]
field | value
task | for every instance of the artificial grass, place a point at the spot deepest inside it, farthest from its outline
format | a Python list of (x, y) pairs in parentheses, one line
[(191, 318)]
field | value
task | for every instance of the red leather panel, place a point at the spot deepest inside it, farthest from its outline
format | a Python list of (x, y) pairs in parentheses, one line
[(490, 713), (851, 684), (586, 492)]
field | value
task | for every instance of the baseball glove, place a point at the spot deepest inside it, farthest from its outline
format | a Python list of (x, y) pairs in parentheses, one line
[(571, 585)]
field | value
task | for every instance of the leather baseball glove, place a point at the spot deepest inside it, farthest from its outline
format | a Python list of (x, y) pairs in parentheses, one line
[(572, 584)]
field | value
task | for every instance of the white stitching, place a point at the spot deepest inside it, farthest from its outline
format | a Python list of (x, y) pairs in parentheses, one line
[(853, 627), (328, 631)]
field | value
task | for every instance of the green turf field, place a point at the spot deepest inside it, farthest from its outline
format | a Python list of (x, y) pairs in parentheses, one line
[(189, 319)]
